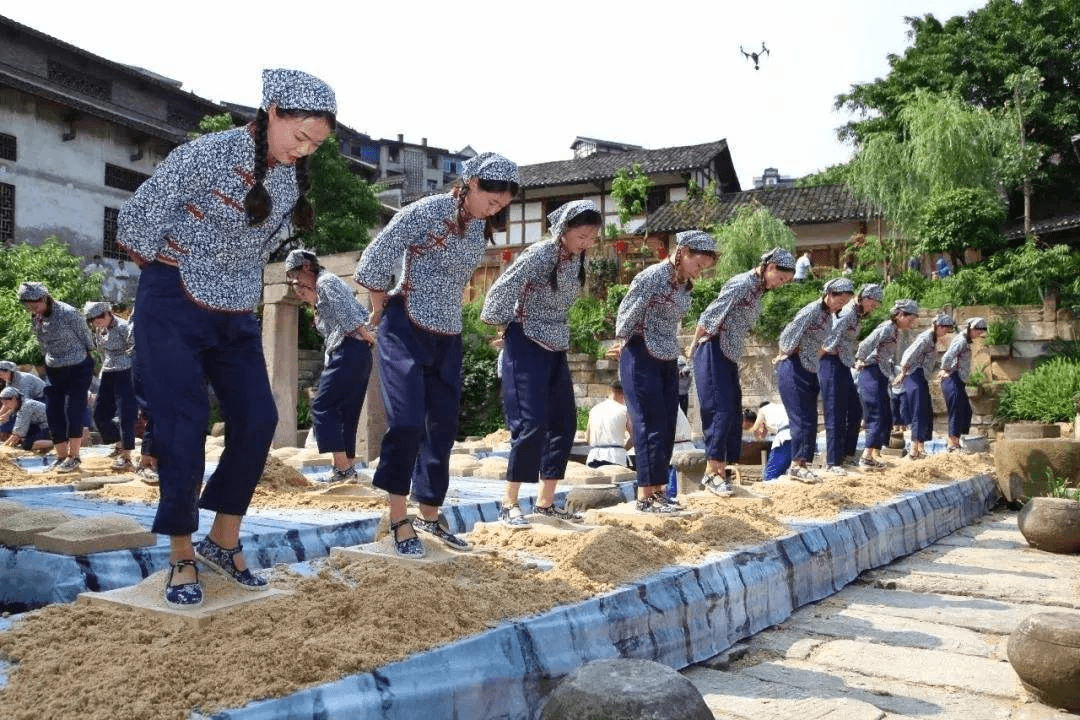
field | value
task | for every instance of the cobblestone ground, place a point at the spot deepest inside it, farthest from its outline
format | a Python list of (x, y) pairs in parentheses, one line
[(923, 637)]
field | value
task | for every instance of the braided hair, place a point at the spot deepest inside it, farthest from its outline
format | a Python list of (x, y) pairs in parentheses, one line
[(257, 203), (461, 191), (589, 218)]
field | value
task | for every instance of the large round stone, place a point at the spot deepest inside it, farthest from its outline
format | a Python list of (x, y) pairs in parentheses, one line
[(1044, 650), (590, 497), (1021, 465), (625, 689), (1051, 524)]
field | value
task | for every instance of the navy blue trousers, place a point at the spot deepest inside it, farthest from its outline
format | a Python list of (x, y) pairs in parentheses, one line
[(918, 398), (651, 387), (956, 400), (901, 408), (117, 389), (799, 390), (335, 411), (538, 399), (720, 401), (874, 393), (420, 373), (779, 461), (843, 412), (179, 346), (65, 399), (147, 447)]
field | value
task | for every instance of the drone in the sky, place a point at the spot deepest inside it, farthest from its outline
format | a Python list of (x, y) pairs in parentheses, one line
[(755, 56)]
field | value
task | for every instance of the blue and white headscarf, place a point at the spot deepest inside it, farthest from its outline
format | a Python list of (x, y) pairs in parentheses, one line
[(871, 291), (32, 292), (839, 286), (95, 309), (296, 90), (490, 166), (566, 212), (783, 259), (698, 240)]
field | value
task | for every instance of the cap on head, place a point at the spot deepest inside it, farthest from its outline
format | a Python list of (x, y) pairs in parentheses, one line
[(872, 291), (296, 259), (296, 90), (975, 323), (783, 259), (566, 212), (944, 320), (95, 309), (7, 365), (490, 166), (697, 240), (9, 392), (32, 292), (906, 305), (838, 286)]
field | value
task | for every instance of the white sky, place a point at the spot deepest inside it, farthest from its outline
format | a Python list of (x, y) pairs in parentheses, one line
[(524, 78)]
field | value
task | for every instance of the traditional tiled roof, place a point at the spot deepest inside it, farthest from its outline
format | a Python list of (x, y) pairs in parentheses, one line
[(604, 166), (1041, 227), (793, 205)]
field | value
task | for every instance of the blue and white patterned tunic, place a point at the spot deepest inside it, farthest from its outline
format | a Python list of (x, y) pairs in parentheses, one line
[(957, 357), (191, 213), (63, 335), (734, 312), (921, 353), (432, 262), (523, 294), (879, 348), (28, 384), (117, 345), (842, 338), (806, 333), (30, 412), (653, 308), (338, 313)]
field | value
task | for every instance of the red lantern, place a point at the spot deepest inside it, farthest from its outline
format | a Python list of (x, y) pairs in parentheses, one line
[(661, 252), (620, 246), (507, 255)]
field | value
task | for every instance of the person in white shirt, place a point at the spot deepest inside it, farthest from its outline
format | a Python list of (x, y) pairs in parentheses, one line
[(772, 419), (802, 266), (609, 431)]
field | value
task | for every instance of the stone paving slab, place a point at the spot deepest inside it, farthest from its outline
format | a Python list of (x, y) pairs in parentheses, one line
[(736, 695), (921, 666), (891, 630)]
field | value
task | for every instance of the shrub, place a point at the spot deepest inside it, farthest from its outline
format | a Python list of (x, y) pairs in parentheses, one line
[(1045, 394), (1001, 332), (582, 418), (588, 324), (779, 307), (480, 412), (303, 412)]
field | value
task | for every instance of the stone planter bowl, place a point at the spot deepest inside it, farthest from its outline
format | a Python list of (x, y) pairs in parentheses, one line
[(975, 443), (1031, 431), (1044, 650), (1051, 524)]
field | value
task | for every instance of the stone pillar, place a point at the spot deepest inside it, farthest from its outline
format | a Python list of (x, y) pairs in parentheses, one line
[(372, 417), (279, 323)]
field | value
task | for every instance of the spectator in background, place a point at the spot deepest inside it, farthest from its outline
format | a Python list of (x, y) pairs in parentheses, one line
[(914, 265), (802, 267), (772, 419), (944, 269), (686, 376), (609, 431)]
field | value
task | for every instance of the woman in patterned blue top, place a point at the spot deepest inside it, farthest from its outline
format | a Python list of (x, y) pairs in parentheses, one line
[(114, 339), (916, 367), (531, 300), (342, 321), (797, 368), (648, 326), (416, 270), (955, 368), (65, 340), (29, 422), (719, 341), (874, 361), (202, 228)]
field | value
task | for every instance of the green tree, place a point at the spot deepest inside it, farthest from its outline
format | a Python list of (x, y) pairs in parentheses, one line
[(212, 123), (346, 207), (964, 217), (630, 188), (973, 57), (52, 264), (832, 175), (749, 233)]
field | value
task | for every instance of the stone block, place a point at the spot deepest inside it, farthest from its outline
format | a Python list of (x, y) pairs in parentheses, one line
[(102, 533), (599, 390), (219, 596), (1021, 465), (581, 391), (10, 507), (583, 498), (20, 528), (99, 481), (606, 364), (579, 358), (217, 430), (435, 553), (625, 688)]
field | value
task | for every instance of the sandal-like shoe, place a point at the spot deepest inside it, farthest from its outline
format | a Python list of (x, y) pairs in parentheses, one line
[(449, 539), (221, 560), (411, 548), (185, 595)]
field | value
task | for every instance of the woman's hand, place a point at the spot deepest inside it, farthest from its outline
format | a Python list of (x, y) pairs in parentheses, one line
[(13, 441), (614, 352)]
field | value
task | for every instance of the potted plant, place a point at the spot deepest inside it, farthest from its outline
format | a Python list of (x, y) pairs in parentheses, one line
[(1052, 523), (1000, 335)]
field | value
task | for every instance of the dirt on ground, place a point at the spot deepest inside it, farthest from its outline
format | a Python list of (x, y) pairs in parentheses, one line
[(355, 616)]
